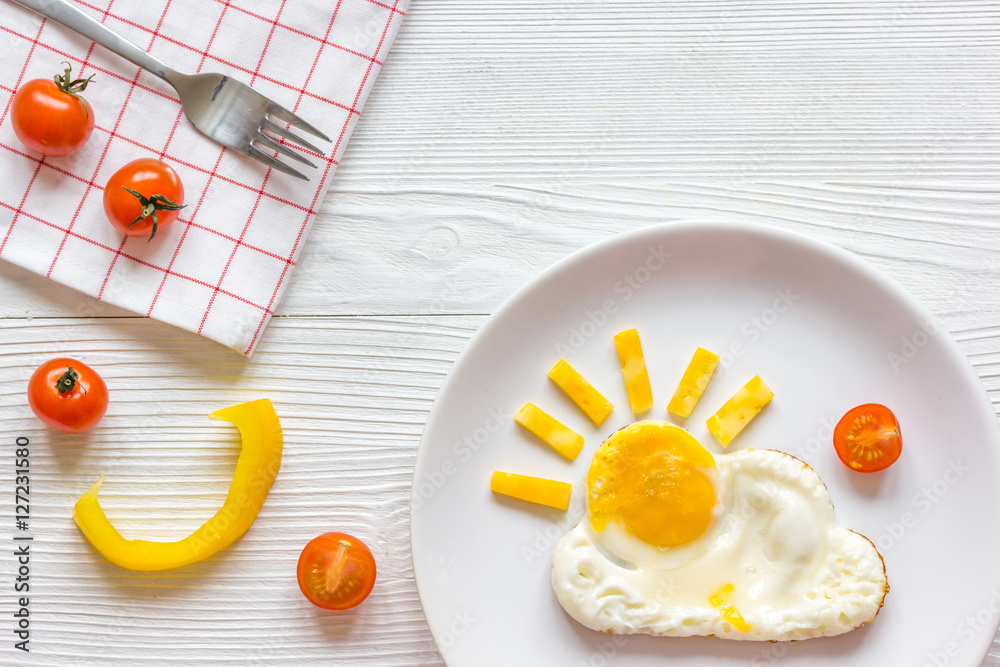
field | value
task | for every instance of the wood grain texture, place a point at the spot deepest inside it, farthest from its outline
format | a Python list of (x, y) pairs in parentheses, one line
[(352, 395), (500, 138)]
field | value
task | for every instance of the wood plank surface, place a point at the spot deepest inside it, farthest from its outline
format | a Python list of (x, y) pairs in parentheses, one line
[(500, 137), (352, 394)]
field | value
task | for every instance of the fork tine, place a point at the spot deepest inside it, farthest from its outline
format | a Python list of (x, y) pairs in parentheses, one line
[(282, 132), (284, 114), (264, 140), (260, 156)]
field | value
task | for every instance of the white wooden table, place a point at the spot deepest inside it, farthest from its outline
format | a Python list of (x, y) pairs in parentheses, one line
[(500, 137)]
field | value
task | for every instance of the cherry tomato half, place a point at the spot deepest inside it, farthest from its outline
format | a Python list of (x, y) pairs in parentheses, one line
[(143, 197), (336, 571), (49, 116), (867, 438), (68, 395)]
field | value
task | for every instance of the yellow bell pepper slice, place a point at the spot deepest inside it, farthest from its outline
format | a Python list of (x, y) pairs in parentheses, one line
[(581, 392), (549, 430), (532, 489), (739, 410), (693, 383), (640, 395), (260, 458)]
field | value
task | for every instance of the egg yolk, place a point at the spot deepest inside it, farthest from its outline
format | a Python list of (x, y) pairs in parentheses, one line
[(651, 477), (720, 600)]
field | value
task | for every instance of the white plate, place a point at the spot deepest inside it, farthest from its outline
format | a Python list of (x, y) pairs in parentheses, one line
[(826, 332)]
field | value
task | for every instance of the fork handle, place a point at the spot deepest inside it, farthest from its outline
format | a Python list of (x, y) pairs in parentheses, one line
[(62, 11)]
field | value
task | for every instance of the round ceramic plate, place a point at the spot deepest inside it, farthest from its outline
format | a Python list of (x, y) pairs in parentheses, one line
[(825, 331)]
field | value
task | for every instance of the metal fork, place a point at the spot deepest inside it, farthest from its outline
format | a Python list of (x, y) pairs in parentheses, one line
[(224, 109)]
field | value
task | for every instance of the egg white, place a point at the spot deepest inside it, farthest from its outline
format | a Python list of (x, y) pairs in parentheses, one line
[(795, 573)]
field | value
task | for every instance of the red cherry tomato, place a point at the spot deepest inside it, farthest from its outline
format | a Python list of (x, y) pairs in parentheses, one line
[(50, 116), (867, 438), (68, 395), (143, 197), (336, 571)]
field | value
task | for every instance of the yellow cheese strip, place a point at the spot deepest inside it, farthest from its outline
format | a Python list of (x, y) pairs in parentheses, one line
[(720, 600), (581, 392), (533, 489), (693, 383), (739, 410), (640, 395), (560, 437)]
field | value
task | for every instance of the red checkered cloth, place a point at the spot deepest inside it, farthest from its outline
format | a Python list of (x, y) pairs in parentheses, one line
[(221, 268)]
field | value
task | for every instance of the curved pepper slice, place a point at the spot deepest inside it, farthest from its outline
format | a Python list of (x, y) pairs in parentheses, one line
[(258, 464)]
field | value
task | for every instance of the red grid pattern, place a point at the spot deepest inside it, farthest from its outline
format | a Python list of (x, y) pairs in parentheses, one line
[(220, 270)]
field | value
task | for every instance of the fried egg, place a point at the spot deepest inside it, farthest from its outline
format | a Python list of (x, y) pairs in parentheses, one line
[(677, 541)]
